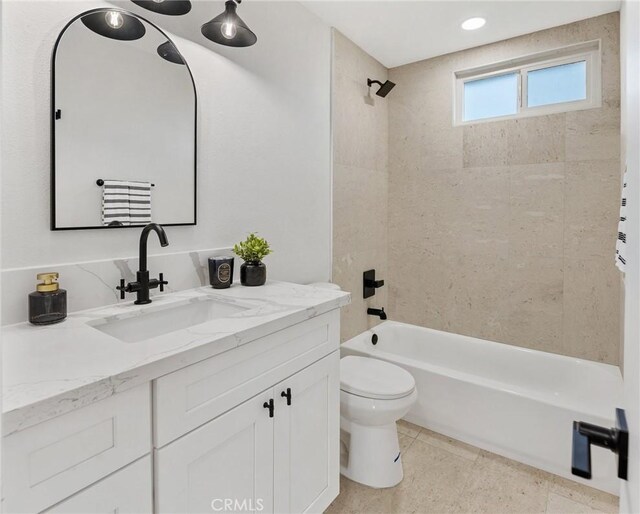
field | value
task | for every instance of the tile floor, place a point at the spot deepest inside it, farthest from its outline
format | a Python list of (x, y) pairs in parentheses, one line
[(443, 476)]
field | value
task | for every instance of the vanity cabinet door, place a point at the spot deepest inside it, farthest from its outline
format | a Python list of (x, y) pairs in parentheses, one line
[(230, 459), (307, 438), (127, 491)]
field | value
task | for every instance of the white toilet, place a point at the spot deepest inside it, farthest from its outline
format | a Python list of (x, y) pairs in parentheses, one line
[(373, 395)]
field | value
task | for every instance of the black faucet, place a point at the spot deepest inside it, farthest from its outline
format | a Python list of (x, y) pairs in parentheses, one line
[(142, 285), (377, 312)]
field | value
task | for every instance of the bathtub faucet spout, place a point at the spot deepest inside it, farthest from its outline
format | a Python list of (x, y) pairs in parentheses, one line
[(377, 312)]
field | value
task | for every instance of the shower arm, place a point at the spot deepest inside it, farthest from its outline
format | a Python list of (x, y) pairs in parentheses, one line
[(371, 82)]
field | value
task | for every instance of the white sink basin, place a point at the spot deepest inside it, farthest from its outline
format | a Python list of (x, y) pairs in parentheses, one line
[(156, 322)]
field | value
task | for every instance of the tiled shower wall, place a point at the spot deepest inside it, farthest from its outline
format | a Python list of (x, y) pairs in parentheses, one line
[(360, 180), (502, 230), (506, 230)]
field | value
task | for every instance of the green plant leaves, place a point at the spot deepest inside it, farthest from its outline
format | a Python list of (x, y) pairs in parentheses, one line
[(252, 249)]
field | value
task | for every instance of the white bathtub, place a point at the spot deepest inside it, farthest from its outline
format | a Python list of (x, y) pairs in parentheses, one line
[(516, 402)]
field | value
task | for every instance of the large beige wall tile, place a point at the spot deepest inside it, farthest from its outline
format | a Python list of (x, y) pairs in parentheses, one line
[(419, 291), (591, 309), (592, 196), (532, 140), (360, 201), (593, 134), (407, 144), (478, 297), (536, 210), (479, 216), (535, 303)]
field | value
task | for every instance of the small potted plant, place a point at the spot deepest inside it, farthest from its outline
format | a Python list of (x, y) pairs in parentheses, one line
[(252, 250)]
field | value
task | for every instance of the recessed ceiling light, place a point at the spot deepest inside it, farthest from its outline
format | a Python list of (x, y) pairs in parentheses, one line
[(473, 23)]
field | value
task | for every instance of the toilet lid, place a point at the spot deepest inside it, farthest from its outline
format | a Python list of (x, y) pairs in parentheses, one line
[(373, 378)]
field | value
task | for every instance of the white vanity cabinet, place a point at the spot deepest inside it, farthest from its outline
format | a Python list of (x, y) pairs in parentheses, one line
[(277, 452), (256, 425)]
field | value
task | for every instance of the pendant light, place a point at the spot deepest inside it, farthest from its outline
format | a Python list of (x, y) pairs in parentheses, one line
[(169, 52), (228, 28), (168, 7), (114, 24)]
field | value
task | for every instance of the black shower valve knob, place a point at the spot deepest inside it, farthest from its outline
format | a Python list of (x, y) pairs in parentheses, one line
[(370, 284)]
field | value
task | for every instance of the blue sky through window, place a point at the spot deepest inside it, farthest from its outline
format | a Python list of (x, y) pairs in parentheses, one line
[(491, 97), (557, 84)]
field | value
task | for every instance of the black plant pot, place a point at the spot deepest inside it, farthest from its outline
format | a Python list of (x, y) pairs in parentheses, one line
[(253, 274)]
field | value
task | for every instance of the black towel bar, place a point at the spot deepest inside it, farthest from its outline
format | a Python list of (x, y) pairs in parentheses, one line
[(100, 182)]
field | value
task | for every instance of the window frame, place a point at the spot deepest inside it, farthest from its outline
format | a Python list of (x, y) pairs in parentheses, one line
[(522, 66)]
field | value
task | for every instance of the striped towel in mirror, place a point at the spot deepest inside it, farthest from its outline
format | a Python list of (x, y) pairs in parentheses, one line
[(126, 202)]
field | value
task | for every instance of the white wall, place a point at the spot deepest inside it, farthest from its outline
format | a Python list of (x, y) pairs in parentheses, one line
[(263, 140), (630, 105)]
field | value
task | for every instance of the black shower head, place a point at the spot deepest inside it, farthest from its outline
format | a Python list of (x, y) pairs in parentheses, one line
[(384, 88)]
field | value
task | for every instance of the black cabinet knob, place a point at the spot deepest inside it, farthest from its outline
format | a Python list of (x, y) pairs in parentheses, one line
[(287, 394), (269, 405)]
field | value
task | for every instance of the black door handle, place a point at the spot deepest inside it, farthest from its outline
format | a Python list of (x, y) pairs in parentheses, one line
[(287, 394), (615, 439), (269, 405)]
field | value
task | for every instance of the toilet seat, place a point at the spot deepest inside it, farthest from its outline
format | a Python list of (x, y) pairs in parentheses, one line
[(375, 379)]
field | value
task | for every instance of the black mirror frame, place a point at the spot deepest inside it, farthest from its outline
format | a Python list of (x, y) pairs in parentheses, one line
[(53, 117)]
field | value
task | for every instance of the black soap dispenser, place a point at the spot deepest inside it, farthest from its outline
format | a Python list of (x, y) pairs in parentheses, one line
[(48, 303)]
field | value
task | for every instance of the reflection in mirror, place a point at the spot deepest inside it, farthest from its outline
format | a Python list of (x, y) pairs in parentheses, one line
[(124, 125), (168, 7), (115, 25), (168, 51)]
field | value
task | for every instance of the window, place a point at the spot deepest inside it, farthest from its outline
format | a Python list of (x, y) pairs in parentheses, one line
[(560, 80), (491, 97), (557, 84)]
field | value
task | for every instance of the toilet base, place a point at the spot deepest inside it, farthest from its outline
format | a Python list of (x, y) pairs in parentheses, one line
[(372, 454)]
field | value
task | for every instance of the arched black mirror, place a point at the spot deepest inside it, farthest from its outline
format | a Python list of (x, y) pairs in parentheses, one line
[(123, 125)]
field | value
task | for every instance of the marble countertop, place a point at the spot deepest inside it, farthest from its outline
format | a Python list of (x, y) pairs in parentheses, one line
[(54, 369)]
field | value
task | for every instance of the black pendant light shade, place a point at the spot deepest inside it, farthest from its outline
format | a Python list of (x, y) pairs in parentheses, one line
[(114, 24), (169, 52), (228, 28), (168, 7)]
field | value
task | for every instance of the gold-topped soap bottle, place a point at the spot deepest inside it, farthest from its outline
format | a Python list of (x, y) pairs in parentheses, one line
[(48, 303)]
